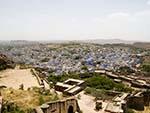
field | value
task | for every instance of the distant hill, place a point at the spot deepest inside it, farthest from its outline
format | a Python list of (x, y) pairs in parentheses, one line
[(18, 42), (108, 41), (95, 41)]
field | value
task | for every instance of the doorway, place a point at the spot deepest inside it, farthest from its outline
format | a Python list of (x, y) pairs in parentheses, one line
[(70, 109)]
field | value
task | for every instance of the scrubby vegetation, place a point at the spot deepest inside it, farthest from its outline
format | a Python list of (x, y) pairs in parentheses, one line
[(23, 101), (61, 78), (125, 70), (93, 80), (5, 62), (146, 67), (98, 93), (129, 111), (9, 107), (102, 82)]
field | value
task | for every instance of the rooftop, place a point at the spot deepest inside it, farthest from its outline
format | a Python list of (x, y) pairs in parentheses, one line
[(78, 82)]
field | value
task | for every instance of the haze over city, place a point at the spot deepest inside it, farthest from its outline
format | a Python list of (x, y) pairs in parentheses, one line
[(74, 19)]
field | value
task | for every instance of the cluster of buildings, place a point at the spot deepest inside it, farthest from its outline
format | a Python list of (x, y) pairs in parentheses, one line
[(119, 104), (59, 59), (124, 101), (70, 86), (137, 100), (72, 58), (131, 80)]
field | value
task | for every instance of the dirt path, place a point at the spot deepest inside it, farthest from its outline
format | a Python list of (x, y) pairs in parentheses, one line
[(87, 104)]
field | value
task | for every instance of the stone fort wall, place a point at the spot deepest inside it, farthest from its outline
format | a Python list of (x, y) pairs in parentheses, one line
[(69, 105)]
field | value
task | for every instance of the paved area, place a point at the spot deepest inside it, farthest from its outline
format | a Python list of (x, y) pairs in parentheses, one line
[(87, 104)]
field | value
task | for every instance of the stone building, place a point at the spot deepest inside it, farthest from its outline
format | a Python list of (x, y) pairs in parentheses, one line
[(139, 100), (70, 86), (146, 97), (136, 101), (118, 104), (69, 105)]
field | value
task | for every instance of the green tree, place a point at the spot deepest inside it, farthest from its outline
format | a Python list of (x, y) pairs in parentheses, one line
[(146, 67)]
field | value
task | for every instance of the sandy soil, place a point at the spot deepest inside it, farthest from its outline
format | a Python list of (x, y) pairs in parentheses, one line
[(87, 104), (15, 77)]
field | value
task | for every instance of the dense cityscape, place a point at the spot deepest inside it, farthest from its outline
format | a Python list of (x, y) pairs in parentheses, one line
[(60, 71), (59, 58), (74, 56)]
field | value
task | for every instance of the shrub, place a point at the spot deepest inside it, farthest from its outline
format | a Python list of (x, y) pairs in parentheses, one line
[(146, 67), (41, 100), (98, 93), (129, 111), (9, 107)]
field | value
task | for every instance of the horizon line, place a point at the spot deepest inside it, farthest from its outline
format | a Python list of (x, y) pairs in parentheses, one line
[(76, 40)]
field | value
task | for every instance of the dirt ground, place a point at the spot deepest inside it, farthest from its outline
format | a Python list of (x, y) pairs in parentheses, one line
[(13, 78), (26, 99), (87, 104)]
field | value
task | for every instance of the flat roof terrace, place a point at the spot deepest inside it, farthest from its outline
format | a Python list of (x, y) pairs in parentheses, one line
[(70, 86), (73, 81)]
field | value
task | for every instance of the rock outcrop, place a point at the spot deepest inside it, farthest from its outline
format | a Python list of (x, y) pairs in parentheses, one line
[(6, 62)]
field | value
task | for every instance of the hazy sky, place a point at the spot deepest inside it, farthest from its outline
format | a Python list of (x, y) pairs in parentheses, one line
[(74, 19)]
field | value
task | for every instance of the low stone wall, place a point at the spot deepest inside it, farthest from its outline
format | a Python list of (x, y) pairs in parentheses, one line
[(37, 77), (136, 103), (146, 98)]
